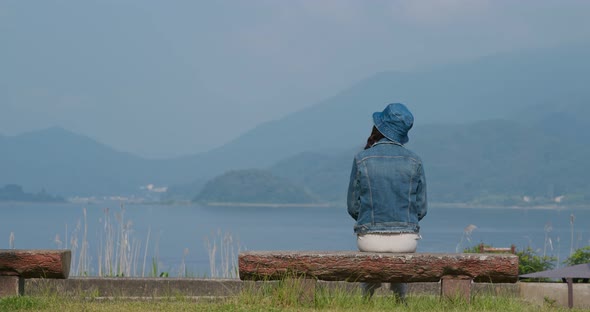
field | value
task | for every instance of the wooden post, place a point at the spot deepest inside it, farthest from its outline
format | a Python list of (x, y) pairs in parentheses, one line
[(453, 287), (570, 292), (11, 286)]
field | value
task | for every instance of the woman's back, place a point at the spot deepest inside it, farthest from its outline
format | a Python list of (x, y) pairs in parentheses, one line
[(390, 189)]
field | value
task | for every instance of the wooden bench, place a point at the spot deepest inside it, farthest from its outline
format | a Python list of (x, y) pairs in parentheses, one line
[(18, 264), (456, 272)]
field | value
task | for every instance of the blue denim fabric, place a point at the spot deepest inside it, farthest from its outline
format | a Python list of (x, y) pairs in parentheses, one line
[(394, 122), (387, 189)]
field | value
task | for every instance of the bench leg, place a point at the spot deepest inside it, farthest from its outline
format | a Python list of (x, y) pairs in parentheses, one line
[(306, 287), (11, 286), (453, 287)]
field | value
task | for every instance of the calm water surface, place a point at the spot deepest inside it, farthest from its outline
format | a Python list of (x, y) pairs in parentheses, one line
[(182, 231)]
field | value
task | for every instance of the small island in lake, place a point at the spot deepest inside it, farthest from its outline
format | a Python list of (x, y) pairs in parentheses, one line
[(15, 193), (253, 186)]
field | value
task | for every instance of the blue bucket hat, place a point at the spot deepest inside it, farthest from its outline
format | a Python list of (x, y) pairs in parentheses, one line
[(394, 122)]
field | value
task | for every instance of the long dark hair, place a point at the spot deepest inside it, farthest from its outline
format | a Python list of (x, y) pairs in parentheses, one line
[(374, 137)]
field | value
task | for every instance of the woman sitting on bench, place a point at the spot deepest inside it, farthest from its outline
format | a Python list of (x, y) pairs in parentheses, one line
[(387, 190)]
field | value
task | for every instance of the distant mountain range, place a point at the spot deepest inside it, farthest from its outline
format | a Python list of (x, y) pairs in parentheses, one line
[(67, 164), (503, 86), (492, 130)]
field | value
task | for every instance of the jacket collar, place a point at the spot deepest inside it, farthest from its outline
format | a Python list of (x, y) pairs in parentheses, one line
[(387, 141)]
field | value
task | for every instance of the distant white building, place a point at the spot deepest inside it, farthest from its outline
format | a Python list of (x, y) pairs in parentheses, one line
[(558, 199), (152, 188)]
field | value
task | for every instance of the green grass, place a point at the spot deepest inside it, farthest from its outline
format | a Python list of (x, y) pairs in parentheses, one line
[(269, 297), (258, 303), (21, 304)]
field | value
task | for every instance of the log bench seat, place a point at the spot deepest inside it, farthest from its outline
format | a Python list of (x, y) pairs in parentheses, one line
[(456, 272), (18, 264)]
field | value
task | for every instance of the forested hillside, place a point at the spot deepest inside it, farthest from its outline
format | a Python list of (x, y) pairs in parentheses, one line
[(252, 186)]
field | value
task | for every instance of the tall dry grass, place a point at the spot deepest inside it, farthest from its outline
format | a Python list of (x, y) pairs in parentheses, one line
[(223, 253), (465, 237), (119, 253), (11, 241)]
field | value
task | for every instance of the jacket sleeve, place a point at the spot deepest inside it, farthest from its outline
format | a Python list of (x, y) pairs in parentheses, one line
[(353, 194), (421, 201)]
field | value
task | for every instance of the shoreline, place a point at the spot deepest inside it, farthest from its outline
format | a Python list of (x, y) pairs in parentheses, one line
[(433, 205), (535, 207), (268, 205)]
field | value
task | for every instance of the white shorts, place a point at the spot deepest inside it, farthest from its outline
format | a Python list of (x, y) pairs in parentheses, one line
[(394, 242)]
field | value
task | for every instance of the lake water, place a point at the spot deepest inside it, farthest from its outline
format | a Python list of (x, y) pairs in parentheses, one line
[(177, 232)]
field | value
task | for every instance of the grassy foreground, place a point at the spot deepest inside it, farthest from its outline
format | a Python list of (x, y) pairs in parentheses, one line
[(422, 303), (282, 298)]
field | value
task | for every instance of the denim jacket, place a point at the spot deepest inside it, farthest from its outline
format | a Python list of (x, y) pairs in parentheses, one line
[(387, 190)]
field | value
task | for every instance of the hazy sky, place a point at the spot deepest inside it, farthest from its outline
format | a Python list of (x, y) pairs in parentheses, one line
[(168, 78)]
